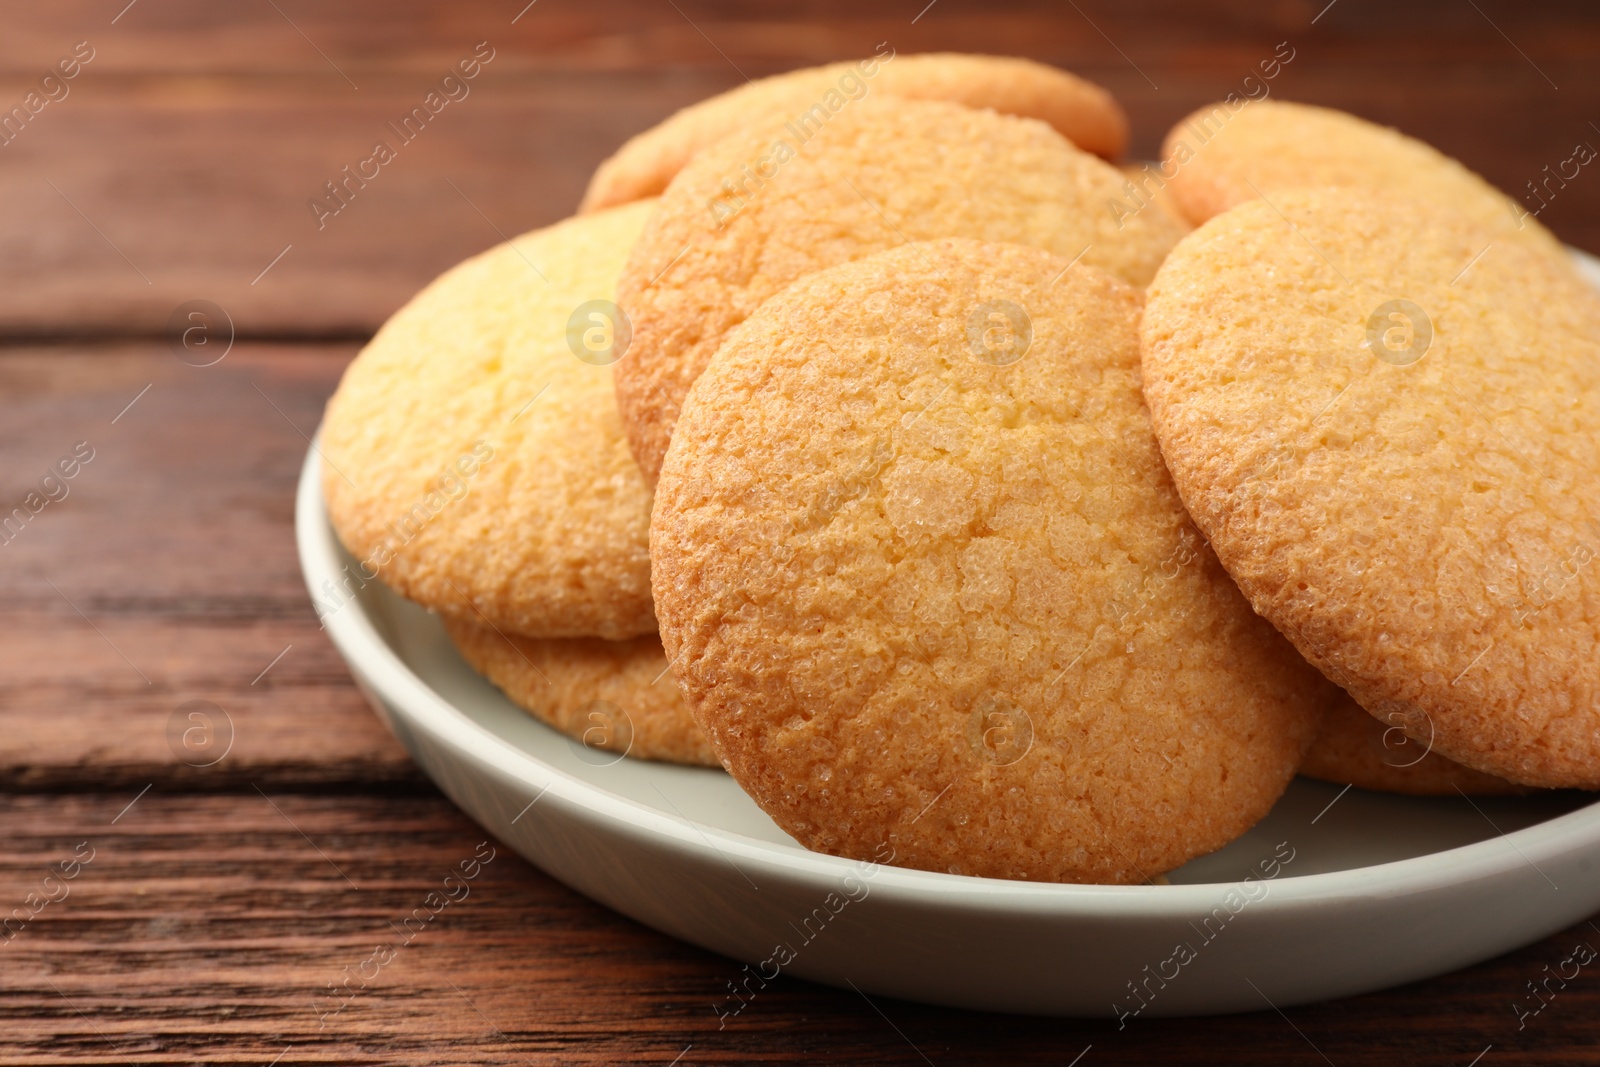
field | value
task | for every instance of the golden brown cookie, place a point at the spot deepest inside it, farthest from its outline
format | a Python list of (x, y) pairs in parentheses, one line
[(762, 208), (612, 695), (1354, 748), (1144, 188), (927, 586), (475, 462), (1083, 112), (1386, 419), (1225, 154)]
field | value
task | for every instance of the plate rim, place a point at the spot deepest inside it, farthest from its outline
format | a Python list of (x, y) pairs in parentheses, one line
[(356, 636), (368, 655)]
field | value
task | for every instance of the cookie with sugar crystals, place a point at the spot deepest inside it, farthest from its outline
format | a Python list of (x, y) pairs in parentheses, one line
[(617, 696), (765, 207), (1224, 154), (1386, 419), (927, 586), (1353, 748), (1145, 188), (474, 459), (1083, 112)]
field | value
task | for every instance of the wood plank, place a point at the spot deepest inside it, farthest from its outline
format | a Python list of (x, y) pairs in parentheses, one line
[(204, 928), (194, 141), (175, 543), (188, 36)]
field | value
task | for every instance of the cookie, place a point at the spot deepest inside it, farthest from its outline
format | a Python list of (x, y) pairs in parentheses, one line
[(1386, 419), (1083, 112), (1227, 153), (763, 208), (1353, 748), (930, 593), (612, 695), (1144, 187), (474, 459)]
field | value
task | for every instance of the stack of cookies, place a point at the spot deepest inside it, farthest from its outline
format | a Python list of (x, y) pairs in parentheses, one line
[(868, 434)]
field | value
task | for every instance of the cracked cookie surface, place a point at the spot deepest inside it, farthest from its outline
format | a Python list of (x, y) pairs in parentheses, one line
[(1081, 111), (763, 208), (616, 696), (925, 581), (1222, 155), (477, 465), (1387, 422)]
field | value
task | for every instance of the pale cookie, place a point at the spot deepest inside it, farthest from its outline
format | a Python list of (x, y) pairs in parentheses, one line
[(1227, 153), (612, 695), (928, 589), (1353, 748), (764, 208), (1386, 419), (476, 463), (1145, 189), (1083, 112)]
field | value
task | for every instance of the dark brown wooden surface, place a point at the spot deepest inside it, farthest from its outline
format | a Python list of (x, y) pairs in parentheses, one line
[(224, 900)]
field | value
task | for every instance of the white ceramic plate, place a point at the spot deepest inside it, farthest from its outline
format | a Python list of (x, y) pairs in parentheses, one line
[(1330, 895)]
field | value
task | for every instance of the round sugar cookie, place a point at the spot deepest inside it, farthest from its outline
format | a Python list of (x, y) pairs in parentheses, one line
[(928, 589), (1386, 419), (1144, 188), (763, 208), (1225, 154), (617, 696), (1353, 748), (476, 464), (1083, 112)]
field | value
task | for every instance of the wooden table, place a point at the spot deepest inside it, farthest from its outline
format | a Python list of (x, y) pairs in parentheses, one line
[(219, 901)]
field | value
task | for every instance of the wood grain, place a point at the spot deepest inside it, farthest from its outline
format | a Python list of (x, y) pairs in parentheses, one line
[(183, 161), (168, 574), (208, 928)]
